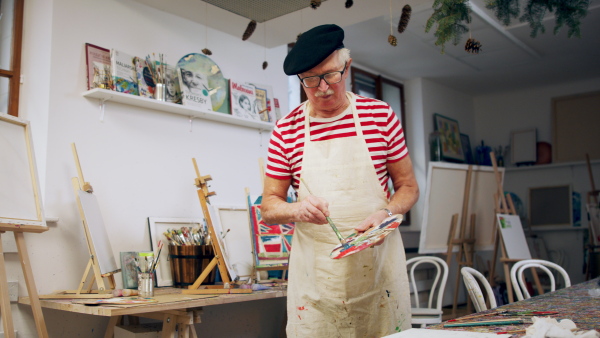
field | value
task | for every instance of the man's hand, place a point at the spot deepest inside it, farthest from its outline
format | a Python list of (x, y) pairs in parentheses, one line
[(372, 221), (312, 209)]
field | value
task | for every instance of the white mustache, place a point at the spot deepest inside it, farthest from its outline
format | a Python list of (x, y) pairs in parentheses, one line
[(328, 92)]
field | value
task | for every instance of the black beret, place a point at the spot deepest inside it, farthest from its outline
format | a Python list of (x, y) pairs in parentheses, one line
[(312, 47)]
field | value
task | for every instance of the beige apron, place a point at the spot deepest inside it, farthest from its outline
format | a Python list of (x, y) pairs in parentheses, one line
[(362, 295)]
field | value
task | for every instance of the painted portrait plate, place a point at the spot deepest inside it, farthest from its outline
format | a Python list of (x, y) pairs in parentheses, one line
[(200, 63), (358, 242)]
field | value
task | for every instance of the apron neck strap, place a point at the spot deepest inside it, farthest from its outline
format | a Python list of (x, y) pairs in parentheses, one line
[(352, 101)]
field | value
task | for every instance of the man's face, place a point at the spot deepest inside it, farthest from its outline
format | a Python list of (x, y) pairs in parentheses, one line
[(327, 97)]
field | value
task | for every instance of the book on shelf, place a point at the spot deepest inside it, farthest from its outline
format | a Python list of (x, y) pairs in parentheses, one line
[(172, 88), (145, 82), (194, 88), (243, 96), (123, 72), (262, 104), (97, 61)]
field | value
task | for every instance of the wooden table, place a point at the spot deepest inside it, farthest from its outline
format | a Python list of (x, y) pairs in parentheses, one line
[(573, 303), (173, 308)]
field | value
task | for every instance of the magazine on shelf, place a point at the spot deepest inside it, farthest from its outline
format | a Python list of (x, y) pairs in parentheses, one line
[(243, 96), (97, 60), (194, 88), (123, 72), (144, 79), (172, 87), (276, 109)]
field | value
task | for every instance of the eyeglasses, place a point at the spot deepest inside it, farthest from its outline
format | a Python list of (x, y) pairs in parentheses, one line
[(330, 78)]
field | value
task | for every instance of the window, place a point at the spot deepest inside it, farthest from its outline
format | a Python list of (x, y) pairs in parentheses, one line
[(11, 35)]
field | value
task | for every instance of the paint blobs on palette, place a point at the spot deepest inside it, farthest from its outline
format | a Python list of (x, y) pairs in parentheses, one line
[(358, 242)]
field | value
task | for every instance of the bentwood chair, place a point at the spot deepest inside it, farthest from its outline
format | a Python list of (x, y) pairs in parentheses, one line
[(470, 277), (432, 314), (518, 270)]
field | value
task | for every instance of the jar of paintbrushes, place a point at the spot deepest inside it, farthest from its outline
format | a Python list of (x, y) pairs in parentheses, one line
[(146, 265), (190, 253)]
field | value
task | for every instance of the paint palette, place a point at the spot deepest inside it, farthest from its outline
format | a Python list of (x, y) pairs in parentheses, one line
[(358, 242)]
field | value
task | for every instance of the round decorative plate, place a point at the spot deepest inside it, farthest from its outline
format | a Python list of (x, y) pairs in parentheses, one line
[(200, 63), (359, 242)]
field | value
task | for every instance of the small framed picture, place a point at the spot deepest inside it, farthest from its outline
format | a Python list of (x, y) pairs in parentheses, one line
[(523, 145), (129, 269), (452, 150), (466, 147)]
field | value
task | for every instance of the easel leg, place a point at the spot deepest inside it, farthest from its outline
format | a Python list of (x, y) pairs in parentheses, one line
[(7, 320), (110, 328), (36, 307)]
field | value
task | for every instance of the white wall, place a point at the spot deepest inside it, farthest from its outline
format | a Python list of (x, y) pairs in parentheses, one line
[(139, 161)]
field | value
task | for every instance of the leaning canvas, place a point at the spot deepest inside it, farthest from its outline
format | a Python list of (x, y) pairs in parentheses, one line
[(272, 242)]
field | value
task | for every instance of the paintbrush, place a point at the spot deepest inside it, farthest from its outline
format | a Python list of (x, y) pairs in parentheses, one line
[(337, 233), (487, 322)]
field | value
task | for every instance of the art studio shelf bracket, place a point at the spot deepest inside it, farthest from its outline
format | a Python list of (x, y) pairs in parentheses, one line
[(108, 95)]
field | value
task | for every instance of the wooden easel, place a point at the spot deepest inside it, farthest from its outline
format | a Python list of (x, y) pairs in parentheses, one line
[(464, 256), (18, 227), (505, 205), (218, 260), (82, 292)]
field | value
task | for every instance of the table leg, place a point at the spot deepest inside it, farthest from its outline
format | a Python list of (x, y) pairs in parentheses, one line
[(169, 324), (110, 328)]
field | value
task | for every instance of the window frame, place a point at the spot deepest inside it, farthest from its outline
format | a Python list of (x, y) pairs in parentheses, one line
[(14, 73)]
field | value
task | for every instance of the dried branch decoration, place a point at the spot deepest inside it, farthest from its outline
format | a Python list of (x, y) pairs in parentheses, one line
[(249, 30), (451, 16), (349, 3), (315, 3), (404, 18)]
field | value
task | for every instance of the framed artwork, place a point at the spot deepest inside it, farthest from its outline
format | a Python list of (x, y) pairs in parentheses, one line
[(523, 146), (450, 138), (158, 226), (467, 150), (97, 61), (128, 269)]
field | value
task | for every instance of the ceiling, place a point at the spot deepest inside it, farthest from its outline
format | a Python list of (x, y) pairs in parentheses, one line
[(509, 59)]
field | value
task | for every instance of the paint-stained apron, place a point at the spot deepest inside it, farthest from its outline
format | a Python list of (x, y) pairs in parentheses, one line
[(362, 295)]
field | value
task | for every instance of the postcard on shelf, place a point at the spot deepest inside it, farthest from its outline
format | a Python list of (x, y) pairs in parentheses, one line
[(276, 109), (128, 269), (243, 96), (97, 60), (262, 105), (172, 88), (194, 87), (123, 72), (144, 78)]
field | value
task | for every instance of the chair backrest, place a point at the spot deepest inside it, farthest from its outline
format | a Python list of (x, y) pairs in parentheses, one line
[(518, 269), (439, 283), (470, 277)]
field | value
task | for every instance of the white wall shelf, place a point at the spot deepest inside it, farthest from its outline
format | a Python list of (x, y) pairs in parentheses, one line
[(551, 165), (144, 102)]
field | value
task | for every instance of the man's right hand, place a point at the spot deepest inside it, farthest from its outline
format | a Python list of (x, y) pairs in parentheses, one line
[(312, 209)]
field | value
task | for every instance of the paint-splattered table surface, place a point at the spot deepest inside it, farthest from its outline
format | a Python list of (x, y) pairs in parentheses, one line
[(575, 303)]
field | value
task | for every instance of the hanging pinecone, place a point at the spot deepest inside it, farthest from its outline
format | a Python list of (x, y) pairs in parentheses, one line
[(349, 3), (404, 18), (392, 40), (249, 30), (206, 51), (473, 46), (265, 65), (315, 3)]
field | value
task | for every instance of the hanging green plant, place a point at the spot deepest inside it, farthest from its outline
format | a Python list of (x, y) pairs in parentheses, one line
[(504, 9), (451, 17), (567, 12)]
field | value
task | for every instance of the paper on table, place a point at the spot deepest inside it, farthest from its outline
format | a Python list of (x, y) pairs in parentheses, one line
[(425, 333)]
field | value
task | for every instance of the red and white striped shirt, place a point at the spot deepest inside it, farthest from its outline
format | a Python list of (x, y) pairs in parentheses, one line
[(380, 126)]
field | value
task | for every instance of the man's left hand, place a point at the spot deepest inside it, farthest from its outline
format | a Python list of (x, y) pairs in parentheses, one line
[(372, 221)]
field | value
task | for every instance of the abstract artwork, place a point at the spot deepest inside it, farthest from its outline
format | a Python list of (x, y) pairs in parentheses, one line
[(272, 242), (450, 137)]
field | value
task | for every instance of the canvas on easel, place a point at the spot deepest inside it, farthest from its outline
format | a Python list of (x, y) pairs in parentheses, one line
[(20, 211), (101, 263), (219, 261)]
